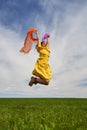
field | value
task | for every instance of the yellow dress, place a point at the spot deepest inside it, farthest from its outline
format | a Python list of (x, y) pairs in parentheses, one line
[(42, 68)]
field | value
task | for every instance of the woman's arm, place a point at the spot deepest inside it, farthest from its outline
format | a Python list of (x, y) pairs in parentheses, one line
[(38, 39), (37, 36), (48, 40)]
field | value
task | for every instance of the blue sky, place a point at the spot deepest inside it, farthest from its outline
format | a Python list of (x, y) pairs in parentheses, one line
[(66, 21)]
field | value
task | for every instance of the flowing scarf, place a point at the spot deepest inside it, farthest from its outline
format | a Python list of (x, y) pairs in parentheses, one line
[(28, 41)]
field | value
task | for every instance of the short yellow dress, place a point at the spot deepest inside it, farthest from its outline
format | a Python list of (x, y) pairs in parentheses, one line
[(42, 68)]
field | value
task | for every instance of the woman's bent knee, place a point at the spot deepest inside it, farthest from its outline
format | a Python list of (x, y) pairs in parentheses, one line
[(46, 82)]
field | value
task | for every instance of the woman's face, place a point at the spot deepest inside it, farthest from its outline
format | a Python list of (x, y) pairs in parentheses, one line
[(44, 43)]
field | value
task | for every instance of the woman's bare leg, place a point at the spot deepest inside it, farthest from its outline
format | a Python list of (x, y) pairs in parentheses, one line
[(39, 80), (42, 81)]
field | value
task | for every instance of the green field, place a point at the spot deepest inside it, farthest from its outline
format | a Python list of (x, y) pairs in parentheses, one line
[(43, 114)]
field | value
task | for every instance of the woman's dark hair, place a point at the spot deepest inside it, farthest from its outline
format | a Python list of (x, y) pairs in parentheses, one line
[(41, 43)]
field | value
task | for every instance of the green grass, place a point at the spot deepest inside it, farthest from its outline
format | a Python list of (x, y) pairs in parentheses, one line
[(43, 114)]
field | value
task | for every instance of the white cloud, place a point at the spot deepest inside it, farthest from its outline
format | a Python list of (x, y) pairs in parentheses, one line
[(13, 65), (69, 54)]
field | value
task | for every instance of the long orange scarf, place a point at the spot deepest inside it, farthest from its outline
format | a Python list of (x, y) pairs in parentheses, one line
[(28, 41)]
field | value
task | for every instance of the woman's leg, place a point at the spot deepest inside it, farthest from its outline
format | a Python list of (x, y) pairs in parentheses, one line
[(38, 80), (42, 81)]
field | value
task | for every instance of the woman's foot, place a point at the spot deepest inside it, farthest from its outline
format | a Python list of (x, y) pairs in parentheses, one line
[(32, 81)]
